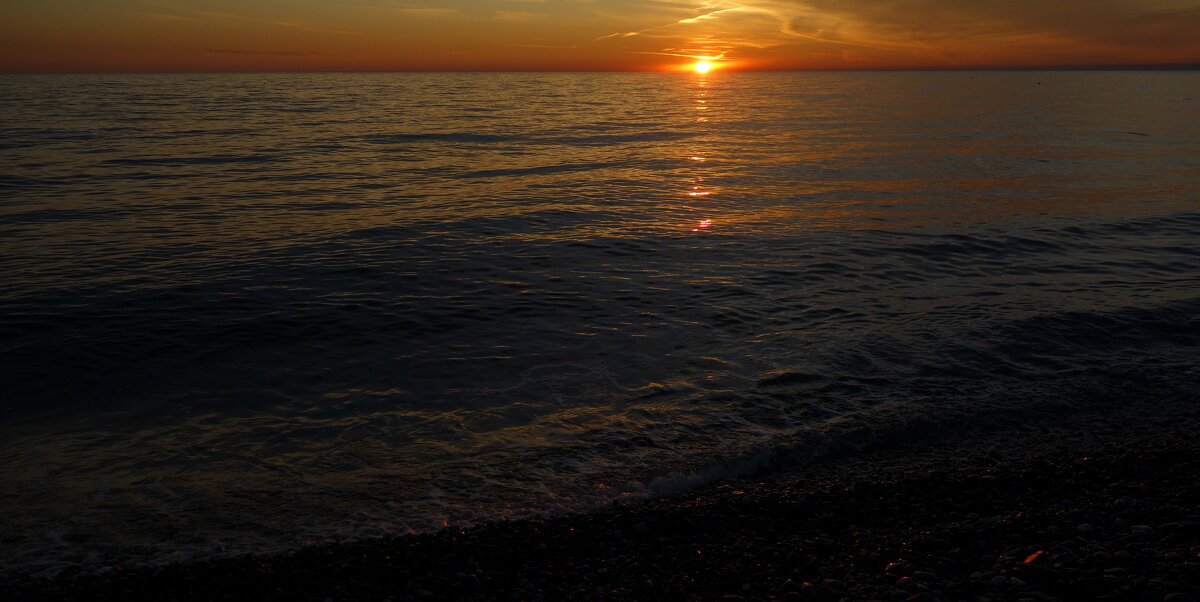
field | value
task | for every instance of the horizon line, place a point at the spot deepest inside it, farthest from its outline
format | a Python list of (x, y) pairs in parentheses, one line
[(1074, 67)]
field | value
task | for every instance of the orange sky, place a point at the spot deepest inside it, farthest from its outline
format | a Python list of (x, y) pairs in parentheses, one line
[(371, 35)]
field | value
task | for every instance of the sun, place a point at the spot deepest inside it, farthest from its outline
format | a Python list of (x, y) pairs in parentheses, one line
[(702, 66)]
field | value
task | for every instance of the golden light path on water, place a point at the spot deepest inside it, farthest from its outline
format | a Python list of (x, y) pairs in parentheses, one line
[(697, 190)]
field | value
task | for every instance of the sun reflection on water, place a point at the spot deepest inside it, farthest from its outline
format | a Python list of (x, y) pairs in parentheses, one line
[(698, 189)]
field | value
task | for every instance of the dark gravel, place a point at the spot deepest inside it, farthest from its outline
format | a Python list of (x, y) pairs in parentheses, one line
[(1096, 508)]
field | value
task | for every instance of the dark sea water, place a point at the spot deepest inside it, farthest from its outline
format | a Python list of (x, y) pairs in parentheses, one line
[(245, 312)]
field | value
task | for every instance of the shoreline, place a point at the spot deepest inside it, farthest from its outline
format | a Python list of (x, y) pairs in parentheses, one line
[(1102, 505)]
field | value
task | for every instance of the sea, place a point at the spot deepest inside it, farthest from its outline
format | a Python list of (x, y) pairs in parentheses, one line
[(254, 312)]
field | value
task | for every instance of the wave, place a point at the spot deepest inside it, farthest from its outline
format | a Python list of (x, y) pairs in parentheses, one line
[(588, 140), (182, 161), (611, 139), (438, 137), (543, 169)]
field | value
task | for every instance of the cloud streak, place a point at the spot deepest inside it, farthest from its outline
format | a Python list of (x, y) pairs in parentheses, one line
[(941, 32), (428, 12)]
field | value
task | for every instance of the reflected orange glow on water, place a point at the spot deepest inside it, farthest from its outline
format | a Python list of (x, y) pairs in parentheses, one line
[(835, 165), (758, 158), (701, 97)]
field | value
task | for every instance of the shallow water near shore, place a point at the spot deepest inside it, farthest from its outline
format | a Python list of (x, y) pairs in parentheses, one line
[(247, 312)]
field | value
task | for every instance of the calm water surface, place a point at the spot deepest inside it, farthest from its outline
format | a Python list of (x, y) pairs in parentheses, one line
[(242, 312)]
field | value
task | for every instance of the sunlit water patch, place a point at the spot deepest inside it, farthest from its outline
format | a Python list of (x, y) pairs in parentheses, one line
[(244, 312)]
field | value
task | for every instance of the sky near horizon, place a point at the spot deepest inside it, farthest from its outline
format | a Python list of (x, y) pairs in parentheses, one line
[(570, 35)]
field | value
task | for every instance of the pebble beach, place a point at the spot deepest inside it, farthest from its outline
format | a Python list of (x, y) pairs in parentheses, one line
[(1102, 505)]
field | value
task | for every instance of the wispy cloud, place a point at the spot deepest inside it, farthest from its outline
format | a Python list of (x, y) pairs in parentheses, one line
[(619, 34), (429, 12), (933, 31), (508, 15), (1117, 22)]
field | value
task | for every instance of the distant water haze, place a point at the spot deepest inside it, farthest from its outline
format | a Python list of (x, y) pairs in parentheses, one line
[(245, 312)]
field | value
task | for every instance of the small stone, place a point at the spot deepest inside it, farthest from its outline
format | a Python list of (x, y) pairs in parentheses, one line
[(998, 581), (1166, 584), (1085, 529), (1093, 585), (947, 566), (833, 585), (1017, 552)]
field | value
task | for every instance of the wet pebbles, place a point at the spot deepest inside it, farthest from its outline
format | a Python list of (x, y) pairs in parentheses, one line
[(1109, 513)]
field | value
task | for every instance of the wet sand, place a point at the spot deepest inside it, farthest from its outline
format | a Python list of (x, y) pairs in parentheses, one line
[(1100, 505)]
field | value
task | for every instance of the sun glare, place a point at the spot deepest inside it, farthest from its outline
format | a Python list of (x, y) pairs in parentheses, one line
[(702, 66)]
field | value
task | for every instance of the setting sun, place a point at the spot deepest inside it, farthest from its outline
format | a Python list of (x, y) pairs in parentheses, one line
[(702, 66)]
